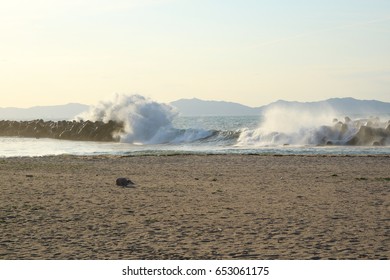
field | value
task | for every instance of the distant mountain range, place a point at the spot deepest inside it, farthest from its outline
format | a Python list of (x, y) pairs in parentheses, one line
[(197, 107), (346, 106), (55, 113)]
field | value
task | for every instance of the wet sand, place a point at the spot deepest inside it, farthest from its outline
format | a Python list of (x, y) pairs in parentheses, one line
[(195, 207)]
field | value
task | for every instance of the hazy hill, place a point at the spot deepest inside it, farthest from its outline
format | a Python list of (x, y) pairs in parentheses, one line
[(197, 107), (346, 106), (340, 106), (354, 106), (59, 112)]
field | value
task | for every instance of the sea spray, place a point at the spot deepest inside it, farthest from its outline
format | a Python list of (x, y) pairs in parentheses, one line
[(284, 126), (142, 118), (294, 126), (289, 120), (145, 121)]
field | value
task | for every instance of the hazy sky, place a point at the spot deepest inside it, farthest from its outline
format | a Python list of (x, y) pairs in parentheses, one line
[(248, 51)]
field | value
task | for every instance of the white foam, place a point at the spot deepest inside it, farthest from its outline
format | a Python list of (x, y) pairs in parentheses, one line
[(145, 121), (282, 126), (142, 117), (287, 126)]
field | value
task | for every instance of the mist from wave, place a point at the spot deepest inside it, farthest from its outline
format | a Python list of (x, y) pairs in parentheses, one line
[(148, 127), (288, 126), (146, 122)]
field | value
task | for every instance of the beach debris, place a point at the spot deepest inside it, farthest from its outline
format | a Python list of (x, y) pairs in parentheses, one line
[(29, 176), (123, 182)]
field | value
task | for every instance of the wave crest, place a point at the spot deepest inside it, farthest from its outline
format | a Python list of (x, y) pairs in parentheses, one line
[(359, 132), (142, 118), (144, 121)]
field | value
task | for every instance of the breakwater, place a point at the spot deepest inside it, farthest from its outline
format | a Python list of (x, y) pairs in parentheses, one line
[(65, 130)]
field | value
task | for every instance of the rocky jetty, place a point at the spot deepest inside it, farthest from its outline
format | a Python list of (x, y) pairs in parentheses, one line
[(66, 130), (365, 132)]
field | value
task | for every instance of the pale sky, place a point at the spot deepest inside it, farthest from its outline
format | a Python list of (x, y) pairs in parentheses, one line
[(248, 51)]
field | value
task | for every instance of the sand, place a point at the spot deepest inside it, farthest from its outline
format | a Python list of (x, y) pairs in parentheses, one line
[(196, 207)]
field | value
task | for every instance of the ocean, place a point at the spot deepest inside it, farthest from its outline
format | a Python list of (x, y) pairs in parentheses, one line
[(267, 134)]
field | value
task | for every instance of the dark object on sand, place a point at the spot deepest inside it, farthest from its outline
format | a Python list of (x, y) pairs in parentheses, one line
[(123, 182)]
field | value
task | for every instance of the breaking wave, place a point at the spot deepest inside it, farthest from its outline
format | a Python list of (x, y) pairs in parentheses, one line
[(291, 127), (144, 120), (139, 120), (148, 122)]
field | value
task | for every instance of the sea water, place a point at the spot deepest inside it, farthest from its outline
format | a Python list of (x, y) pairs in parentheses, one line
[(195, 135), (156, 128)]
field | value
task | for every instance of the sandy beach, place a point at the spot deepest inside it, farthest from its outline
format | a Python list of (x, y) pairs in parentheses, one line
[(195, 207)]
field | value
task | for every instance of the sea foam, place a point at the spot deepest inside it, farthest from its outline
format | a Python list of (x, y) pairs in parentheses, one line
[(289, 126), (144, 121)]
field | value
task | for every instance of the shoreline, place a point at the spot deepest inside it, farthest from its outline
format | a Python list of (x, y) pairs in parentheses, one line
[(195, 207)]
